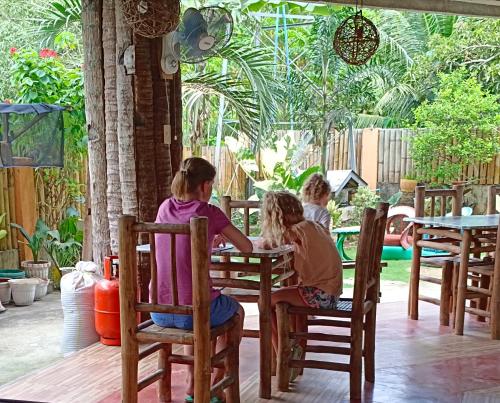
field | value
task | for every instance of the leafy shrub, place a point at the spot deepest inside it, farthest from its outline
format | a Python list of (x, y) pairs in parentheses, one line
[(363, 198), (459, 127), (335, 213)]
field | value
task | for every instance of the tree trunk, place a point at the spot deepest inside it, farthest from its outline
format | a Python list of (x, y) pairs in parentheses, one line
[(175, 113), (162, 124), (94, 112), (145, 147), (125, 129), (111, 111)]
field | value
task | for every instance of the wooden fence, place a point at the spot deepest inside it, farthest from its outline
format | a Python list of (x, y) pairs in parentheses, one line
[(381, 155), (25, 196)]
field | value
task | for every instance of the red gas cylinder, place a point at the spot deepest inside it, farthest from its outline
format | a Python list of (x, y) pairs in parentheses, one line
[(107, 304)]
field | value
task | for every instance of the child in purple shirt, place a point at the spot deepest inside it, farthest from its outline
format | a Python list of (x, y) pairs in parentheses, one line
[(192, 188)]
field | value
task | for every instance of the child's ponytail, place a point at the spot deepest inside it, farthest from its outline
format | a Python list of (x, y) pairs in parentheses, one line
[(193, 172)]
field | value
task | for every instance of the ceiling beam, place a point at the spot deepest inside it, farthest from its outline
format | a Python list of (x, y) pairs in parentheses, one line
[(466, 7)]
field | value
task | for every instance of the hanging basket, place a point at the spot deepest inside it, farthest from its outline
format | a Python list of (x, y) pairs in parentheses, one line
[(356, 39), (151, 18)]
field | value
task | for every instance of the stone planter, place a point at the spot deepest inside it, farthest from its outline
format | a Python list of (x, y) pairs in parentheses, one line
[(23, 290), (4, 291), (41, 289), (38, 269), (407, 185)]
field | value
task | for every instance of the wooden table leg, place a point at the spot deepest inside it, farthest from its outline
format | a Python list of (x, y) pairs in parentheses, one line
[(265, 339), (495, 302), (462, 282), (415, 275)]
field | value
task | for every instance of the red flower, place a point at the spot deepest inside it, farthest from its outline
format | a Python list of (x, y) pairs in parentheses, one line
[(12, 51), (45, 52)]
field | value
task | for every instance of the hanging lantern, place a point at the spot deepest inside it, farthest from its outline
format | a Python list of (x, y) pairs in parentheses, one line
[(151, 18), (356, 39)]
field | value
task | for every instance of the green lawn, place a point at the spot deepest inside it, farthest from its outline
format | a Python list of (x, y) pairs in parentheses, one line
[(396, 270)]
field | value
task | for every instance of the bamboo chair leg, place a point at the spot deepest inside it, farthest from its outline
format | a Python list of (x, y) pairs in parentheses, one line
[(369, 348), (232, 364), (165, 383), (301, 326), (446, 291), (356, 360), (484, 282), (130, 364), (283, 356)]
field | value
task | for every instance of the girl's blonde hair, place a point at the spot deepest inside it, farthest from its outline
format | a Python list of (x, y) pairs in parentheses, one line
[(279, 212), (193, 172), (315, 188)]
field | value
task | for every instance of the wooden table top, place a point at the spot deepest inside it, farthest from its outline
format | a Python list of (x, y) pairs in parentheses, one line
[(257, 252), (229, 250), (459, 222)]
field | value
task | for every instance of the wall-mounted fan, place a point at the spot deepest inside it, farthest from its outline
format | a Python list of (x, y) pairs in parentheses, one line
[(199, 35)]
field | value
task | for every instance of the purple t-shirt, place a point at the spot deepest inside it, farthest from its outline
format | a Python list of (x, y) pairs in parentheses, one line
[(173, 211)]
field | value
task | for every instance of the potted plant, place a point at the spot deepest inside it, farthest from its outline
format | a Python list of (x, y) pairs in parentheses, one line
[(36, 242), (408, 183)]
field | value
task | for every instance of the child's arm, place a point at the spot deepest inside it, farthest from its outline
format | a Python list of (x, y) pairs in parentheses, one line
[(237, 238)]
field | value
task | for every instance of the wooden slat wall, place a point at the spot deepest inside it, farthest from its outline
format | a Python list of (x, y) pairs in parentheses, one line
[(7, 206), (231, 179)]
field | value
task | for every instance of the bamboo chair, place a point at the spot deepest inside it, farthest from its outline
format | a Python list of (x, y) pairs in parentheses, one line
[(480, 273), (485, 284), (161, 339), (438, 199), (357, 314), (245, 290)]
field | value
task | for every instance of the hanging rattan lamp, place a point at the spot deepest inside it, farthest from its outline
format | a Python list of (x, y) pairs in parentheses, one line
[(151, 18), (356, 39)]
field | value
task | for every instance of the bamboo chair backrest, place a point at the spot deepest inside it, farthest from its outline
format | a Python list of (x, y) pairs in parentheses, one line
[(493, 192), (438, 199), (229, 205), (368, 257), (197, 231)]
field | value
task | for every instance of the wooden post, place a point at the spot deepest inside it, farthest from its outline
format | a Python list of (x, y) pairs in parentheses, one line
[(492, 194), (201, 308), (128, 299), (26, 215), (369, 157)]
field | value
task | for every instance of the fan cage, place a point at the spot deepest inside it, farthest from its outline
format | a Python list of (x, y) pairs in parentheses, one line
[(222, 37)]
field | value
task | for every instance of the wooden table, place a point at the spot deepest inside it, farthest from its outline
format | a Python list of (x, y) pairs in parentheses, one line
[(266, 263), (342, 234), (456, 236)]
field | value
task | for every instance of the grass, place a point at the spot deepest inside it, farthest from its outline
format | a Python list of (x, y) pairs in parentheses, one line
[(396, 270)]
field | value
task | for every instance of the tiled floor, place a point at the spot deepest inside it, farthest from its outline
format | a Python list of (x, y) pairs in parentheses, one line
[(417, 361)]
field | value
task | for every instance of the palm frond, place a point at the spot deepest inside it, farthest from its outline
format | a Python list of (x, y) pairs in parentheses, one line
[(55, 17), (240, 100)]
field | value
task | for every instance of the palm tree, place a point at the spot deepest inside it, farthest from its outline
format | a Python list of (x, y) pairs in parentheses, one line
[(252, 95)]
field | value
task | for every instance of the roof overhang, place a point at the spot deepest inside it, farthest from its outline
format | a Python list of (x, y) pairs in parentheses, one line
[(475, 8)]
